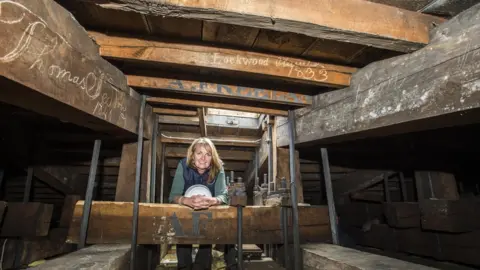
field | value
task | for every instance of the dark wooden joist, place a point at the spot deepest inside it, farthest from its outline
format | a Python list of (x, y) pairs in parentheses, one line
[(225, 154), (110, 222), (437, 86), (197, 56), (215, 89), (216, 105), (188, 138), (62, 185), (178, 112), (202, 121), (49, 65), (352, 21)]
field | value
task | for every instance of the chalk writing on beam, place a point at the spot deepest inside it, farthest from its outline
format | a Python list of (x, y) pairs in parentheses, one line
[(196, 223), (36, 44)]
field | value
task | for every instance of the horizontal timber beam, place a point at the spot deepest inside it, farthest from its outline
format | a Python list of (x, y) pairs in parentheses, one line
[(352, 21), (435, 87), (181, 152), (197, 103), (188, 138), (216, 89), (49, 65), (178, 112), (294, 69), (110, 223)]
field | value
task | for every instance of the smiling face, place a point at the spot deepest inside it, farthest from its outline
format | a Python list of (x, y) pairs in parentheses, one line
[(202, 158)]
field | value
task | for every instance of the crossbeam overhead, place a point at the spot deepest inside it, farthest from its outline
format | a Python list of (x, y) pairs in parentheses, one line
[(293, 69), (218, 90), (353, 21), (197, 103), (49, 65)]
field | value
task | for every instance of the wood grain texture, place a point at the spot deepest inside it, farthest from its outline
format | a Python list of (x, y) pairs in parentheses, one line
[(326, 256), (48, 54), (430, 88), (35, 219), (225, 154), (293, 69), (346, 20), (110, 222), (159, 85)]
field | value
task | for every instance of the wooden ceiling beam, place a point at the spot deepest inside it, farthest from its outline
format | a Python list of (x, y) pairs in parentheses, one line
[(187, 138), (197, 56), (352, 21), (180, 152), (58, 72), (216, 89), (175, 112), (196, 103)]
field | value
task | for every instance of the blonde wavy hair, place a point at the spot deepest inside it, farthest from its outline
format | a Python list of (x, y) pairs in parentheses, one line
[(216, 164)]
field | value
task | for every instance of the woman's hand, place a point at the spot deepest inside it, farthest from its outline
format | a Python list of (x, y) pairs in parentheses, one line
[(199, 202)]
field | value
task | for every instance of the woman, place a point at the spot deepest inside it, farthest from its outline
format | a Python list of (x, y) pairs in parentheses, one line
[(201, 166)]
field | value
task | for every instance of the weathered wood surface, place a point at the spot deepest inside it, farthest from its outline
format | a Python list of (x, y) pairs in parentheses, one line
[(135, 49), (402, 214), (67, 210), (225, 154), (188, 138), (202, 122), (61, 185), (110, 222), (435, 184), (96, 257), (162, 85), (327, 256), (451, 215), (126, 174), (59, 71), (18, 253), (397, 29), (216, 105), (431, 88), (174, 112), (283, 170), (35, 219)]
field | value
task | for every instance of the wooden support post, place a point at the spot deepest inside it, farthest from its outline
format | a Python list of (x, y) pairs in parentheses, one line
[(175, 224), (202, 121)]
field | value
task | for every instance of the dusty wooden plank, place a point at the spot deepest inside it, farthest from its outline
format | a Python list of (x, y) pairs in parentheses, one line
[(283, 170), (58, 72), (225, 154), (202, 122), (114, 257), (67, 210), (287, 68), (395, 29), (168, 223), (402, 214), (179, 120), (434, 184), (227, 165), (450, 215), (18, 253), (327, 256), (216, 89), (126, 174), (174, 112), (35, 219), (198, 103), (52, 181), (431, 88), (188, 138)]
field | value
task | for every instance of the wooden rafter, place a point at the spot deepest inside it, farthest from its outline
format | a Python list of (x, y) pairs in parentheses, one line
[(177, 112), (187, 138), (287, 68), (215, 89), (196, 103), (352, 21), (57, 71)]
